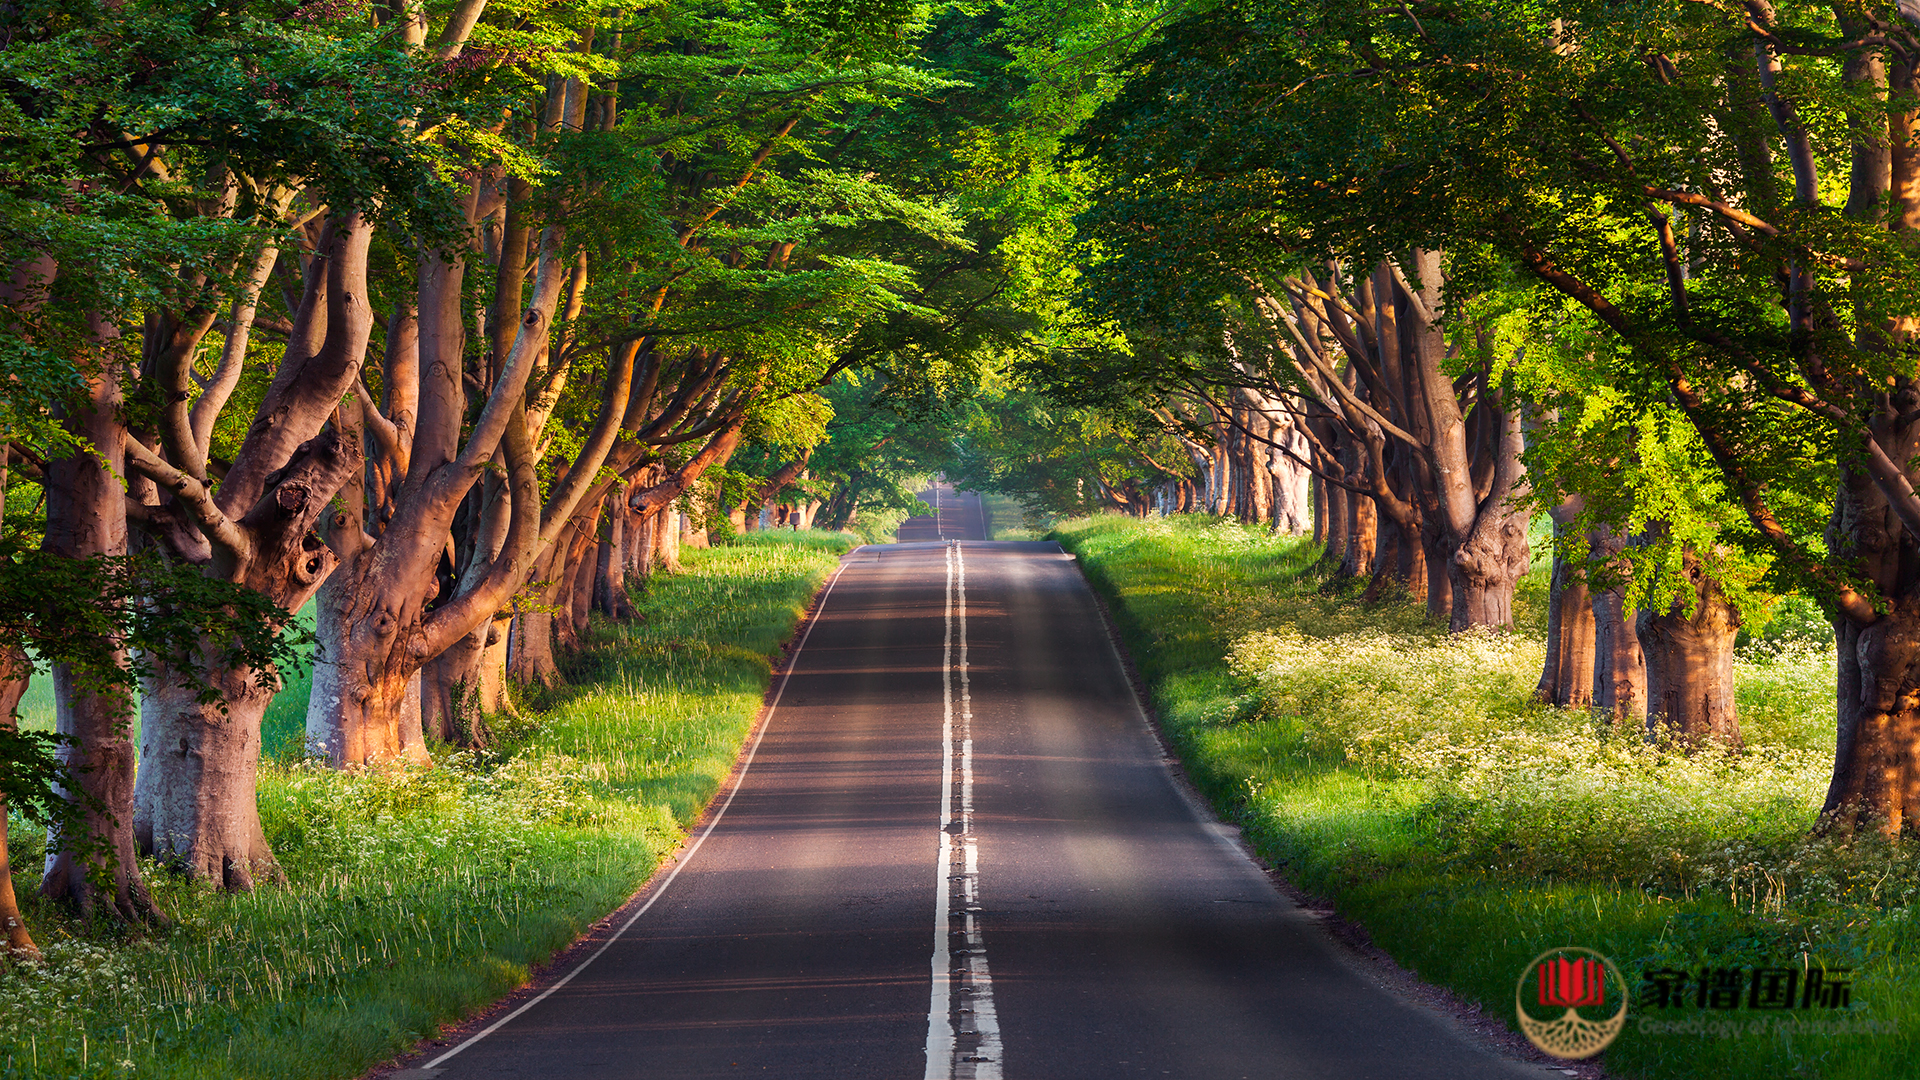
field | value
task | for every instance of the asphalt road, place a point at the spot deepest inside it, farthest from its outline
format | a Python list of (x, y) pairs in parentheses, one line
[(957, 852)]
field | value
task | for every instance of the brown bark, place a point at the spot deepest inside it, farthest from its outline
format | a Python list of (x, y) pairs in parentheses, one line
[(531, 660), (94, 870), (198, 761), (1362, 538), (1619, 664), (380, 631), (666, 543), (1290, 481), (1690, 664), (15, 671), (195, 796), (1317, 498), (1339, 524), (1567, 678), (1454, 473), (782, 478), (610, 585), (580, 602)]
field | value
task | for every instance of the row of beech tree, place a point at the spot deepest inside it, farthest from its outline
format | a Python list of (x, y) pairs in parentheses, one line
[(1646, 267), (449, 318)]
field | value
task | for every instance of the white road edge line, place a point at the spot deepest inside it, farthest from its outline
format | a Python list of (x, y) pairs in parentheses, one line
[(939, 1007), (979, 1022), (740, 777)]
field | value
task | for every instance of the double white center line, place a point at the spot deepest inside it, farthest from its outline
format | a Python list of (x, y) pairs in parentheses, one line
[(963, 1033)]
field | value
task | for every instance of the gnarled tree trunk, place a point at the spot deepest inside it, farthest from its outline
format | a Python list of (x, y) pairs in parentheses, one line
[(1690, 664)]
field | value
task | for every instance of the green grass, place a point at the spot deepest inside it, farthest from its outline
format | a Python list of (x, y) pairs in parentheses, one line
[(1009, 520), (1408, 776), (417, 896)]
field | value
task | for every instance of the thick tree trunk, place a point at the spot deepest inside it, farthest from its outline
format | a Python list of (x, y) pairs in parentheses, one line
[(1317, 496), (581, 601), (1293, 497), (1619, 665), (195, 800), (1568, 675), (610, 576), (197, 768), (1387, 553), (531, 660), (1339, 524), (571, 591), (15, 671), (640, 548), (666, 539), (1690, 665), (1485, 569), (1363, 537), (358, 712), (386, 632), (95, 871)]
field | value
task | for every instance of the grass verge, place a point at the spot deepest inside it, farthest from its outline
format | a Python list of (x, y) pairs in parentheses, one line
[(416, 896), (1407, 776), (1009, 520)]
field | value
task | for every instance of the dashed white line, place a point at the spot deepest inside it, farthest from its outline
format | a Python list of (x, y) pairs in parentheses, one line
[(963, 1030)]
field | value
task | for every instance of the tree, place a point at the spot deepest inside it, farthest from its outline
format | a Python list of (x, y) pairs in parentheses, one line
[(1663, 169)]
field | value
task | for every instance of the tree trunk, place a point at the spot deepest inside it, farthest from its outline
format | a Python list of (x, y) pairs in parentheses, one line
[(386, 632), (1362, 537), (95, 871), (1485, 569), (15, 671), (530, 659), (1568, 676), (1619, 665), (197, 771), (1317, 494), (194, 803), (1690, 665), (357, 713), (1339, 525), (666, 535), (573, 584), (581, 602), (611, 574), (1293, 497), (1386, 559)]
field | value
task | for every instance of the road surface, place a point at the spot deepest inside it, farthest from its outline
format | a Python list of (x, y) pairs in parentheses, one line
[(956, 851)]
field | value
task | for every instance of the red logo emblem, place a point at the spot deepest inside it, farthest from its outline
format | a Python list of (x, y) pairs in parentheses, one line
[(1572, 983)]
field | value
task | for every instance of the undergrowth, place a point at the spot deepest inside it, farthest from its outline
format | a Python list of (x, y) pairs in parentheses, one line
[(1408, 776), (415, 896)]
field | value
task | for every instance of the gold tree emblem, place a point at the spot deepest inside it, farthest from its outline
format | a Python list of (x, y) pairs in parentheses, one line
[(1572, 979)]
